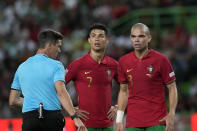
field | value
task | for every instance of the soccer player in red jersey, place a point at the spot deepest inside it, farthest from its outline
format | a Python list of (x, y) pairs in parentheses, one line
[(92, 75), (143, 75)]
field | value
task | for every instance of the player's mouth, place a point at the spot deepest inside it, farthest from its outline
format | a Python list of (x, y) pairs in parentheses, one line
[(137, 45), (97, 44)]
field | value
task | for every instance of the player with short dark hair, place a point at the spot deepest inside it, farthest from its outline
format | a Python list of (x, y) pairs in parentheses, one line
[(143, 75), (41, 80), (92, 75), (97, 26)]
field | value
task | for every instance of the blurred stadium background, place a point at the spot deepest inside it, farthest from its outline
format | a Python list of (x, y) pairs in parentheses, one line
[(173, 25)]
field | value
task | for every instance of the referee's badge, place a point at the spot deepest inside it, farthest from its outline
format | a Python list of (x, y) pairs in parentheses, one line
[(150, 71)]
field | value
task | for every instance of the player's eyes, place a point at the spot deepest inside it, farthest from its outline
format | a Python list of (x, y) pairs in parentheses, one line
[(142, 36), (101, 36), (92, 35), (98, 36)]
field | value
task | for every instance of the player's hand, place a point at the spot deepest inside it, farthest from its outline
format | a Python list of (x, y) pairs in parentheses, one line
[(119, 127), (169, 122), (79, 124), (112, 112), (82, 113)]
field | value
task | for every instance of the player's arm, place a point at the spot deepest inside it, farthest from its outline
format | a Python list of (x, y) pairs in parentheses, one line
[(173, 98), (15, 99), (67, 104), (122, 103), (113, 109), (123, 97)]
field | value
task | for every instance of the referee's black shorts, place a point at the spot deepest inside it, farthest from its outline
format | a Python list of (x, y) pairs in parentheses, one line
[(52, 121)]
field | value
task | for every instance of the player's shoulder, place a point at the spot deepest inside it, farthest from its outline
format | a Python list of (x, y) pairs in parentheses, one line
[(111, 60), (159, 55), (78, 60), (125, 57)]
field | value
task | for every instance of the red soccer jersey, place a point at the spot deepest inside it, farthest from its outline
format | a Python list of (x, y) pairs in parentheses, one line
[(93, 86), (146, 78)]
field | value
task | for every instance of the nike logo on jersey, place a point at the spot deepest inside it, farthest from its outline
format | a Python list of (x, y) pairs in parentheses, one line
[(128, 70), (87, 72), (149, 75)]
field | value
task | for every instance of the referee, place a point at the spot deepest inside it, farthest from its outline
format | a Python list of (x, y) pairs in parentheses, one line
[(41, 81)]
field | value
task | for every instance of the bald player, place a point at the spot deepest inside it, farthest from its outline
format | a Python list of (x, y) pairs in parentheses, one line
[(143, 75)]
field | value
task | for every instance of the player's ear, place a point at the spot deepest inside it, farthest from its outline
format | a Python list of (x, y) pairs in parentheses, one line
[(149, 38), (88, 39), (107, 40)]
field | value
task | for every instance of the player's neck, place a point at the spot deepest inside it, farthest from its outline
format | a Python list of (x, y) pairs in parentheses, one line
[(142, 53), (97, 56)]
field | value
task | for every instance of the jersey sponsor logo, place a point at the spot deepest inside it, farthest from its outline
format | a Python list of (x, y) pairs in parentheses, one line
[(150, 71), (171, 74), (87, 72), (128, 70)]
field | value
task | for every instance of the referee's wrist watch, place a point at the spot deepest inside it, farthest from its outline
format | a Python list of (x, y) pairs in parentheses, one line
[(74, 116)]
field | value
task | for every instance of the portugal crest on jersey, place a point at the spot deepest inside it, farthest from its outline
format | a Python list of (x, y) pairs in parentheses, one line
[(108, 71), (150, 71)]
